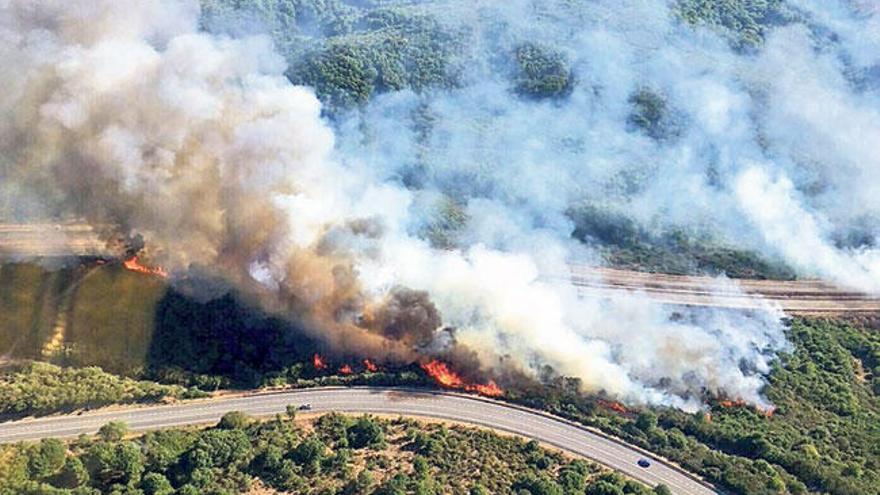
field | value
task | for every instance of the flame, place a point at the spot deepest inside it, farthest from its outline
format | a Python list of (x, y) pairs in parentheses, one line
[(447, 378), (768, 411), (134, 265), (346, 369), (614, 406), (490, 389), (371, 367), (318, 362)]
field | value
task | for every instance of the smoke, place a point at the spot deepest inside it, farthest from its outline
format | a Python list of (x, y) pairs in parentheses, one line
[(422, 222)]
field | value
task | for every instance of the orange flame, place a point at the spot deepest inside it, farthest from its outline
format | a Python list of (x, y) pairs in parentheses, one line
[(318, 362), (134, 265), (443, 375), (768, 411), (346, 369), (614, 406), (371, 367), (490, 389)]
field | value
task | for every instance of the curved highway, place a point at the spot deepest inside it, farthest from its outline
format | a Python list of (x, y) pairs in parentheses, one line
[(420, 403)]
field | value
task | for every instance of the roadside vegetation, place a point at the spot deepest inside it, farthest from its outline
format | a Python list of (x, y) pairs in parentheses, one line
[(332, 454), (41, 388), (822, 437)]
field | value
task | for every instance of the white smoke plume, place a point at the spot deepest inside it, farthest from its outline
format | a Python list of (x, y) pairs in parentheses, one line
[(124, 112)]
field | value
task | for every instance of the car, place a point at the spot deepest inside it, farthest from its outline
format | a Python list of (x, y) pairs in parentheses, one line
[(644, 463), (305, 407)]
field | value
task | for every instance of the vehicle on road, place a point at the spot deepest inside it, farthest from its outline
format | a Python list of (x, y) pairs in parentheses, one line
[(305, 407), (644, 463)]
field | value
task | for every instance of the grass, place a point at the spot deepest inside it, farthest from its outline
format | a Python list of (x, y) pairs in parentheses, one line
[(29, 297), (106, 314), (112, 320)]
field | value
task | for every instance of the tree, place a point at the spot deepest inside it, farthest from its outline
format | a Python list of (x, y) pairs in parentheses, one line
[(291, 411), (234, 420), (46, 458), (396, 485), (156, 484), (646, 421), (537, 485), (420, 466), (72, 475), (542, 72), (309, 454), (479, 489), (360, 485), (364, 433), (112, 463), (662, 490), (113, 431), (603, 487)]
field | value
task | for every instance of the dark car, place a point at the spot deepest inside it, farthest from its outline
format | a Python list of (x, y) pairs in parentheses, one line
[(644, 462)]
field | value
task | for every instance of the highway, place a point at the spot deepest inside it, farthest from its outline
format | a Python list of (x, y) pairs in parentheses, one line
[(798, 297), (418, 403), (794, 297)]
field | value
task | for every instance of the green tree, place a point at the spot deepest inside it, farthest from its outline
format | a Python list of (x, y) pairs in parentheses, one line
[(156, 484), (662, 490), (114, 463), (646, 421), (537, 485), (113, 431), (542, 72), (420, 466), (290, 410), (478, 489), (365, 433), (72, 475), (602, 487), (46, 458)]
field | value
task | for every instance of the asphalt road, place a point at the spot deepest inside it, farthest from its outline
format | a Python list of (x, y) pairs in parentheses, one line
[(439, 405), (23, 241)]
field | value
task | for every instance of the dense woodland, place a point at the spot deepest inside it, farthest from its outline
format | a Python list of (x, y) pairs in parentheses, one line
[(351, 52), (332, 455)]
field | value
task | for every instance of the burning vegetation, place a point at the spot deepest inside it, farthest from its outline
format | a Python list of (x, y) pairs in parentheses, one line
[(729, 404), (134, 264), (447, 378), (318, 362)]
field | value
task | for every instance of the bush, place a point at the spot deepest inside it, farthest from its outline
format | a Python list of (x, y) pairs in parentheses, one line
[(43, 388), (234, 420)]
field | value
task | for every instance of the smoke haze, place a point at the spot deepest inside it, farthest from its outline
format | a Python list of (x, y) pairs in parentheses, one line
[(443, 208)]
